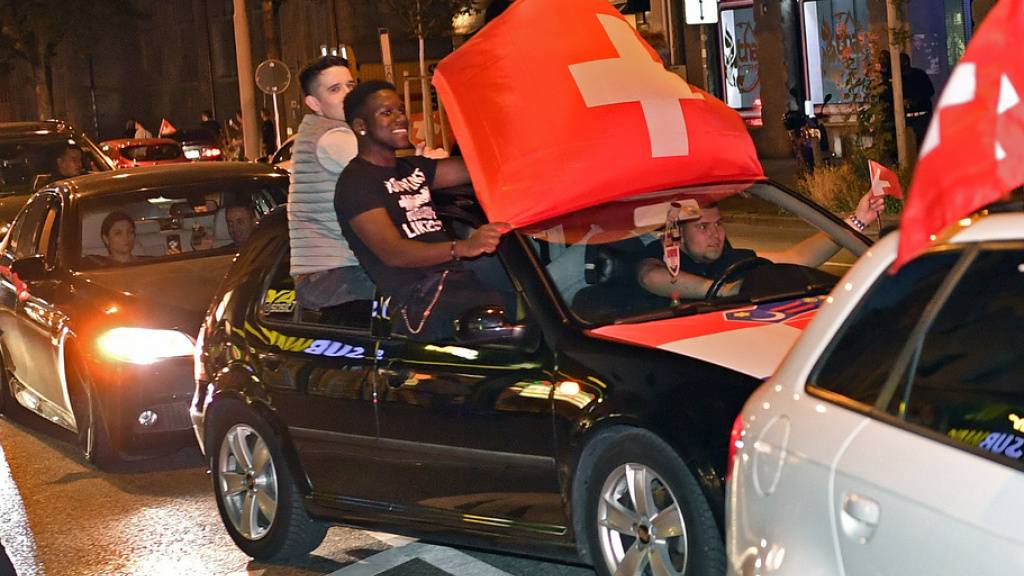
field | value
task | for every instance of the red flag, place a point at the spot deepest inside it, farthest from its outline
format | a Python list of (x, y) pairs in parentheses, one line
[(973, 153), (884, 181), (577, 115), (166, 128)]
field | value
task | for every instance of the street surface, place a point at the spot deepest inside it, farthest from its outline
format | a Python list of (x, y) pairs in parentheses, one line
[(61, 517)]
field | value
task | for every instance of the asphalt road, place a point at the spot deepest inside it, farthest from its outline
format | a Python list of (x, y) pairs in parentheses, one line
[(61, 517)]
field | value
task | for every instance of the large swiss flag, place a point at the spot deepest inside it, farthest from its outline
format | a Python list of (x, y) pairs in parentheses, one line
[(973, 153), (552, 117)]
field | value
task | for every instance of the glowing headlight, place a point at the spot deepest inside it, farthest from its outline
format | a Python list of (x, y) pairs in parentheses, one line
[(144, 345)]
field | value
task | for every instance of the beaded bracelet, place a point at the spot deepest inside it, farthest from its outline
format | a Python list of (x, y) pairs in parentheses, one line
[(857, 223)]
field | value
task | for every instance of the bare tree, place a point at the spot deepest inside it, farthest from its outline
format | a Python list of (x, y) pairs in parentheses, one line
[(32, 30)]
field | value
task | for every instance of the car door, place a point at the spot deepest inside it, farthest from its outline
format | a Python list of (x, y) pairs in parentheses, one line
[(800, 447), (36, 337), (466, 431), (935, 488), (316, 366)]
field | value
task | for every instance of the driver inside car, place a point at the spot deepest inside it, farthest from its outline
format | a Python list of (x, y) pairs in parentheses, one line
[(696, 252)]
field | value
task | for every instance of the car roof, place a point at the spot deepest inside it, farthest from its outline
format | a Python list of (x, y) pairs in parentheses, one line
[(170, 175), (46, 127)]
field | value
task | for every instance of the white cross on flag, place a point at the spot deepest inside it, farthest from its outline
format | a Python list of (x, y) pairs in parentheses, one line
[(553, 117), (973, 153)]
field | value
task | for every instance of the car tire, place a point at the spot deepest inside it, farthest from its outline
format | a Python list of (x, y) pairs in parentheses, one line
[(259, 502), (662, 525), (93, 436)]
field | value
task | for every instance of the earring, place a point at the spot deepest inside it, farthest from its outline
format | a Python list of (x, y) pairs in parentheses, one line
[(362, 132)]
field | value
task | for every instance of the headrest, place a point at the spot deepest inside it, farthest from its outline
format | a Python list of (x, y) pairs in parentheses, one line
[(612, 263)]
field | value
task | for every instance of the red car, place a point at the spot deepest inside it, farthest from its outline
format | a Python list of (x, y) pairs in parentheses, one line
[(128, 152)]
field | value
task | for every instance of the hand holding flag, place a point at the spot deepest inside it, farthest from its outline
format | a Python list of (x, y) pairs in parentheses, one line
[(884, 181)]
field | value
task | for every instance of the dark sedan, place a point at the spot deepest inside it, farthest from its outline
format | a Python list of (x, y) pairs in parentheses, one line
[(103, 282), (584, 420)]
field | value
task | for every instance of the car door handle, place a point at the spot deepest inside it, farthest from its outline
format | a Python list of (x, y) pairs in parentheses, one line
[(860, 516)]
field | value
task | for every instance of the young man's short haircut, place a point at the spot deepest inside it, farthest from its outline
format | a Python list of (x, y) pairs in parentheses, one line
[(309, 74), (356, 99)]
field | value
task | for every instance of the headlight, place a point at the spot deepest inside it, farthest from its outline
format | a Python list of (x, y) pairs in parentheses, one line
[(144, 345)]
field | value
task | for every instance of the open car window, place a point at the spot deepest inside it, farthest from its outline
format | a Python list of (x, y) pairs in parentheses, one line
[(172, 223), (592, 256), (29, 163)]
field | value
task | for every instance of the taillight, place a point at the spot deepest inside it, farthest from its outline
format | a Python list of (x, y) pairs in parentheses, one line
[(735, 444), (210, 152)]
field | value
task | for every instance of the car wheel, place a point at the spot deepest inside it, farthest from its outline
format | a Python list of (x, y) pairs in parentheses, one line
[(259, 503), (644, 513), (93, 438)]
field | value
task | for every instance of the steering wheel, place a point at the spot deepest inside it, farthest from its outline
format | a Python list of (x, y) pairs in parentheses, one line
[(734, 271)]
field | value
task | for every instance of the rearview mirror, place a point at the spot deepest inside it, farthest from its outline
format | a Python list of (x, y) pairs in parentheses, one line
[(487, 325)]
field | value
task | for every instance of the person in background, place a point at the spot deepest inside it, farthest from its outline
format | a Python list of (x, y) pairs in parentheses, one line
[(917, 97), (233, 134), (118, 234), (129, 129), (241, 219), (207, 121), (268, 133), (140, 131), (325, 270), (69, 162)]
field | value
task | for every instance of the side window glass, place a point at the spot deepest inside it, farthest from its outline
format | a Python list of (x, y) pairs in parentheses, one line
[(862, 354), (280, 303), (966, 384), (25, 243)]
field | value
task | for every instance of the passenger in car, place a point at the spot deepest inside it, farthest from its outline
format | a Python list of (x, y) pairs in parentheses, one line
[(385, 208), (69, 162), (118, 234), (241, 219), (704, 253)]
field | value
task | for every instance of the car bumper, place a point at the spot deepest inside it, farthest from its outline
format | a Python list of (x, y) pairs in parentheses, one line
[(146, 407)]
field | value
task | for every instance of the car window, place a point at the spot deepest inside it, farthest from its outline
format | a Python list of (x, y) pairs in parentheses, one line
[(284, 153), (174, 222), (28, 163), (858, 361), (967, 380), (595, 257), (25, 236), (279, 304), (151, 152)]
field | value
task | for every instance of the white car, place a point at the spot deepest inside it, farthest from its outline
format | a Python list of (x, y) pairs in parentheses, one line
[(890, 441)]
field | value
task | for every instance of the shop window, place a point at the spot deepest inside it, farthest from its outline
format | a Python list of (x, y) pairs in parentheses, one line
[(741, 84), (835, 32)]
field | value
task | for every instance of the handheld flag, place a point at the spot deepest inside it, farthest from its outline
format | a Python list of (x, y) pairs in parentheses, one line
[(166, 129), (973, 153), (579, 115), (884, 181)]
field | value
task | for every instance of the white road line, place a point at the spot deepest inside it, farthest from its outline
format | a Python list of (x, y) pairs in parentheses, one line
[(14, 530), (448, 559)]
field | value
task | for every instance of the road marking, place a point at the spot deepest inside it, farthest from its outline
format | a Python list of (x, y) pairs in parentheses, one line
[(443, 558), (14, 531)]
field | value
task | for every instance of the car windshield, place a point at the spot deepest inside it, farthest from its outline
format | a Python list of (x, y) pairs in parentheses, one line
[(29, 162), (170, 224), (593, 257)]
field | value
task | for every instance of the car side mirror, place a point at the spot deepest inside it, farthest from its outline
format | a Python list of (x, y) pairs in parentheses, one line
[(487, 325), (31, 269)]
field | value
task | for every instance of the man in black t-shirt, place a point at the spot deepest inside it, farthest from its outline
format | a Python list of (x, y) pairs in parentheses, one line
[(386, 213)]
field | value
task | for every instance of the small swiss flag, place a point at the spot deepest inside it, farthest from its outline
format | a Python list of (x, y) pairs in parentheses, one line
[(884, 181), (166, 128)]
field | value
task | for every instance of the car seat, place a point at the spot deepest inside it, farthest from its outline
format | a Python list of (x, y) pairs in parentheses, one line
[(610, 273)]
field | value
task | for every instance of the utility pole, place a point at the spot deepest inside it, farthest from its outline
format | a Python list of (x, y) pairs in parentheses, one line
[(246, 81), (895, 23)]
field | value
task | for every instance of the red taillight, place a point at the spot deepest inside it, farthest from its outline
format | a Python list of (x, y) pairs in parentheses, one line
[(735, 443), (210, 152)]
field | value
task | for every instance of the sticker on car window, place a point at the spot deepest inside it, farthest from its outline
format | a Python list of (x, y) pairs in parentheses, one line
[(278, 301)]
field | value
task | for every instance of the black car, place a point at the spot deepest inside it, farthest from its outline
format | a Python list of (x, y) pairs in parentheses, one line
[(104, 348), (28, 153), (200, 144), (583, 421)]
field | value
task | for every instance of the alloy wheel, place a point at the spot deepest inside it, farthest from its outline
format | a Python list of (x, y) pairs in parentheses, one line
[(640, 524), (248, 482)]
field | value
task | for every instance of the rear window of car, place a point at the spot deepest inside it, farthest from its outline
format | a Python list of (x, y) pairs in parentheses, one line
[(151, 152)]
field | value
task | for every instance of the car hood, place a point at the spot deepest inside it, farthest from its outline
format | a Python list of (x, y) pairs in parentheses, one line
[(751, 339), (165, 294)]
